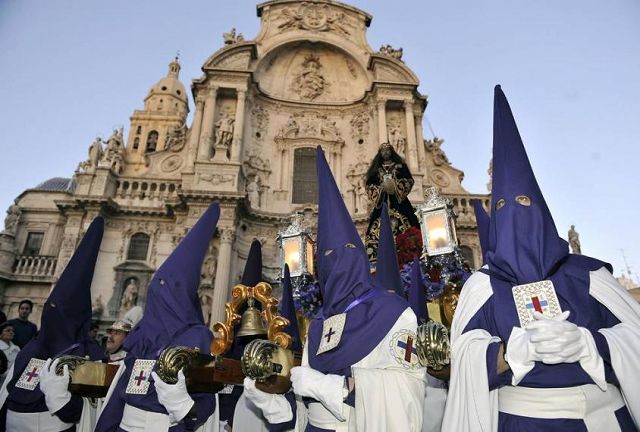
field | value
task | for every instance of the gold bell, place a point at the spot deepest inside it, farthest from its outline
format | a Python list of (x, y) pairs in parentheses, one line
[(251, 323)]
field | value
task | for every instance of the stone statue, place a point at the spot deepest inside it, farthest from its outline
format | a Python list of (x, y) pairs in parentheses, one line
[(206, 304), (396, 138), (391, 51), (253, 193), (97, 307), (95, 152), (439, 156), (574, 240), (129, 297), (224, 131), (12, 219), (231, 37)]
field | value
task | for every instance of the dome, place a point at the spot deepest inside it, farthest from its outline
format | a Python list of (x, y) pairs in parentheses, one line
[(170, 85), (57, 184)]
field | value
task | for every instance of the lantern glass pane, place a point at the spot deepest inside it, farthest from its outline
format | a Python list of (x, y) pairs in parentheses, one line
[(292, 256), (438, 236), (309, 255)]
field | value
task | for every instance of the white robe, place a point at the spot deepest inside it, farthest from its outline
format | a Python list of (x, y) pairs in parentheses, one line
[(389, 396), (470, 404)]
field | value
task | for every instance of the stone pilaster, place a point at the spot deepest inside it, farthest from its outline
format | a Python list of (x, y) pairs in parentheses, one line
[(412, 151), (207, 127), (196, 128), (382, 122), (236, 145), (221, 288), (420, 143)]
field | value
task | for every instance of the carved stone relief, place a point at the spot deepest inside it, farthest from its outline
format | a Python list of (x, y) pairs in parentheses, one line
[(360, 125), (315, 17), (309, 81), (310, 125), (259, 122)]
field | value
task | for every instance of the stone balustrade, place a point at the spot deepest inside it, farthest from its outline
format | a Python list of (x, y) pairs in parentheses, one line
[(464, 209), (143, 193), (35, 265)]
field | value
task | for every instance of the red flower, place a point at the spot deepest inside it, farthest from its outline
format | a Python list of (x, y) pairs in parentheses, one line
[(408, 245)]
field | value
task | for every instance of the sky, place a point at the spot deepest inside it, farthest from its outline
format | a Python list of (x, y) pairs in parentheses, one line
[(71, 70)]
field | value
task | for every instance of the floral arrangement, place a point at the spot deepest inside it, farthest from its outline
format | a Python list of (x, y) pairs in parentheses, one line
[(436, 276), (307, 299)]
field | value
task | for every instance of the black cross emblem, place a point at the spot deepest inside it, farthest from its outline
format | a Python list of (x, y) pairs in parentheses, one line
[(329, 334)]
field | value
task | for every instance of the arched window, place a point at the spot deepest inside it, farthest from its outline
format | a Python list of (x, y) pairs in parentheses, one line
[(138, 130), (305, 182), (467, 255), (152, 141), (138, 247), (136, 143)]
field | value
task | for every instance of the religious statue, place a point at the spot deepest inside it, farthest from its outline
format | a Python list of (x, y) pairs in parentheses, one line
[(396, 138), (95, 152), (12, 219), (224, 131), (388, 180), (574, 240), (129, 297), (97, 307), (253, 193)]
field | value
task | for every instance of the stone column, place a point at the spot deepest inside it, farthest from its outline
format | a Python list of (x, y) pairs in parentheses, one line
[(236, 148), (196, 128), (382, 122), (207, 127), (221, 287), (412, 150), (420, 143)]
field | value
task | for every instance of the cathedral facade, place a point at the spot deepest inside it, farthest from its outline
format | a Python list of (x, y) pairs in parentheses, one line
[(261, 107)]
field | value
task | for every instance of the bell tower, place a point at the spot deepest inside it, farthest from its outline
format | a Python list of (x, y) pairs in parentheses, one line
[(165, 112)]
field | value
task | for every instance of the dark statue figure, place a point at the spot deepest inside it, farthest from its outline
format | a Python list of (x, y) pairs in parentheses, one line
[(388, 179)]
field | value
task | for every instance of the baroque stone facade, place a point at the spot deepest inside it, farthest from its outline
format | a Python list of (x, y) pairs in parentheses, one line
[(261, 107)]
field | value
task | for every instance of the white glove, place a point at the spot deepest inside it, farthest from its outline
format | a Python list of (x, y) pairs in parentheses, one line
[(521, 354), (556, 339), (326, 388), (174, 397), (275, 408), (54, 387), (561, 341)]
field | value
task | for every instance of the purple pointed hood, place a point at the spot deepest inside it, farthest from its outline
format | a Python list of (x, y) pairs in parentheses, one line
[(252, 273), (288, 311), (345, 283), (524, 245), (417, 295), (343, 266), (482, 221), (173, 315), (66, 315), (387, 270)]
